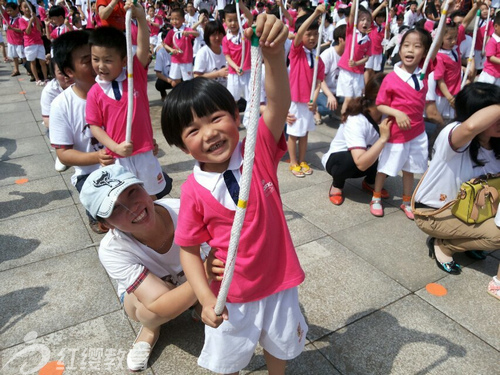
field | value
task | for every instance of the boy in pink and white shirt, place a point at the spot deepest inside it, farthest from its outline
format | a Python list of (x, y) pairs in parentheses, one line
[(33, 44), (154, 23), (351, 80), (491, 71), (179, 44), (107, 102), (15, 49)]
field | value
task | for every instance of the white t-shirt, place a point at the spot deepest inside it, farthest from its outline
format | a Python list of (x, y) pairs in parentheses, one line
[(83, 5), (356, 133), (410, 18), (199, 42), (449, 168), (431, 88), (205, 4), (49, 93), (466, 46), (207, 61), (328, 34), (190, 20), (68, 128), (126, 259), (331, 59), (163, 61)]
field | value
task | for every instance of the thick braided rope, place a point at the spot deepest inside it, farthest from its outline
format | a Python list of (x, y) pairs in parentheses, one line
[(434, 45), (356, 12), (130, 74), (240, 26), (316, 57), (246, 177), (471, 54)]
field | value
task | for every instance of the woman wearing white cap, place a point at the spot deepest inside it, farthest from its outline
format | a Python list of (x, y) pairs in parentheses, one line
[(139, 253)]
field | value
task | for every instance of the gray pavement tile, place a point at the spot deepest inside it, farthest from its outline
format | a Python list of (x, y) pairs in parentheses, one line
[(32, 197), (13, 98), (302, 231), (26, 129), (467, 301), (31, 239), (97, 346), (30, 167), (15, 118), (17, 107), (394, 245), (320, 140), (311, 361), (339, 285), (16, 148), (288, 182), (313, 204), (54, 294), (407, 337)]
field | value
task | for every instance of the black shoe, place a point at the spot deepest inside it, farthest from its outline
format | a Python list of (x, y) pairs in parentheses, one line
[(450, 267), (476, 254)]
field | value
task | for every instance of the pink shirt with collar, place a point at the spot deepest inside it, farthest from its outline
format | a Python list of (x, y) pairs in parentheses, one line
[(183, 43), (376, 38), (266, 264), (14, 37), (34, 37), (398, 94), (58, 31), (233, 50), (360, 50), (481, 31), (492, 49), (301, 73)]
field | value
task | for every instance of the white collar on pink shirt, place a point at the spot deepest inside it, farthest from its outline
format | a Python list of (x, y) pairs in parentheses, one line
[(405, 76), (496, 37)]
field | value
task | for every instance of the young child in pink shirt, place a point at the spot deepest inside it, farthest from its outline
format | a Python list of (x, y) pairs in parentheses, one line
[(58, 22), (107, 102), (33, 43), (201, 117), (351, 80), (491, 71), (15, 49), (377, 35), (485, 30), (154, 23), (302, 56), (179, 44)]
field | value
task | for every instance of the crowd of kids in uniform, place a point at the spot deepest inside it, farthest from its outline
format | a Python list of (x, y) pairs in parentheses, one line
[(389, 124)]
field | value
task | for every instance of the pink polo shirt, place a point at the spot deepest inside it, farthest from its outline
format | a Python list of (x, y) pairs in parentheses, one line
[(14, 37), (234, 52), (266, 264), (301, 73), (480, 34), (360, 50), (492, 49), (183, 43), (34, 37), (376, 38)]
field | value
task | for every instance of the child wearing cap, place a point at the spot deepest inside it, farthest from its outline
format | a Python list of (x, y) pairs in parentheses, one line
[(139, 253)]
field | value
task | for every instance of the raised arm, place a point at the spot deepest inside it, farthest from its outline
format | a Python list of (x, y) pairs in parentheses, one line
[(474, 125), (142, 33), (320, 9), (105, 11), (470, 15)]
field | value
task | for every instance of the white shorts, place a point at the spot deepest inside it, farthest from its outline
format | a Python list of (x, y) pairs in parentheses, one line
[(478, 59), (15, 51), (178, 71), (147, 168), (239, 86), (375, 62), (488, 78), (349, 84), (443, 106), (409, 157), (153, 39), (35, 51), (275, 322), (305, 120)]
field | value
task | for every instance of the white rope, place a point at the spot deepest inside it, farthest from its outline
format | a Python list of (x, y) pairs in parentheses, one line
[(240, 27), (130, 74), (486, 29), (388, 23), (471, 53), (174, 41), (354, 4), (434, 45), (316, 57), (246, 176)]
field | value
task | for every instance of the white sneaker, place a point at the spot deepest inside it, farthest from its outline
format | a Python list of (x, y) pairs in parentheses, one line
[(60, 167), (138, 356)]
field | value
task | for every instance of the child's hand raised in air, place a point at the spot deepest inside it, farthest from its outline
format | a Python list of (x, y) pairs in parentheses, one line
[(137, 9), (403, 121), (272, 34), (385, 129), (124, 149)]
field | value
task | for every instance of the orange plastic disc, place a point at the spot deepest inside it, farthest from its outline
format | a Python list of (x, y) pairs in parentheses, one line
[(52, 368), (21, 181), (436, 289)]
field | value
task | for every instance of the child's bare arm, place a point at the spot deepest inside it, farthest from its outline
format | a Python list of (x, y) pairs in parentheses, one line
[(382, 5), (470, 15), (194, 269), (494, 60), (72, 157), (285, 12), (320, 9), (273, 33), (446, 93), (246, 12), (355, 3), (359, 62), (123, 149), (142, 33), (232, 64), (401, 118)]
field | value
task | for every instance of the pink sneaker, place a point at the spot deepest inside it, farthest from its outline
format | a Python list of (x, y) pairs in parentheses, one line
[(407, 210), (376, 208)]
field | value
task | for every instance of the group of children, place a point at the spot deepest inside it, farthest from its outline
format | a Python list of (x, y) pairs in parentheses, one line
[(201, 117)]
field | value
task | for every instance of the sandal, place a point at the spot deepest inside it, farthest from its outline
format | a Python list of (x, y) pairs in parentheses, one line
[(384, 193), (376, 208), (407, 210), (494, 289), (305, 168), (336, 198), (15, 74), (297, 171)]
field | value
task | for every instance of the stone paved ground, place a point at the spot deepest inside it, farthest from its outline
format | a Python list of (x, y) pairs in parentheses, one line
[(364, 296)]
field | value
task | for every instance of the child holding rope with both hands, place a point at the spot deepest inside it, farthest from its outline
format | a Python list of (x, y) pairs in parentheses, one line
[(201, 117)]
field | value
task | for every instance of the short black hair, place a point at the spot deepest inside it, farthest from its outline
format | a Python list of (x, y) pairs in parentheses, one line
[(211, 28), (179, 11), (302, 19), (56, 11), (229, 9), (12, 6), (64, 46), (497, 19), (339, 32), (200, 96), (109, 37)]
